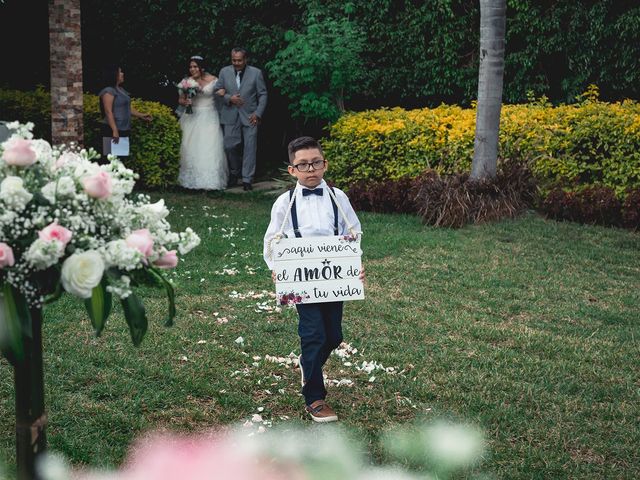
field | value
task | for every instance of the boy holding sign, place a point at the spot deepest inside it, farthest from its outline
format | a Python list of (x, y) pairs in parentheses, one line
[(311, 210)]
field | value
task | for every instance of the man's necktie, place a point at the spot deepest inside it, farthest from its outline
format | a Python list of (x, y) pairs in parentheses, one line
[(238, 79), (307, 191)]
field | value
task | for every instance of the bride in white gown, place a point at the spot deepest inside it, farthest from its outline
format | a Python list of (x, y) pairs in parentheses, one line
[(203, 163)]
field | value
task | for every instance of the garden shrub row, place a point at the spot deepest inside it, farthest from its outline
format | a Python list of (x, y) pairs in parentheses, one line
[(594, 205), (454, 201), (155, 146), (590, 143)]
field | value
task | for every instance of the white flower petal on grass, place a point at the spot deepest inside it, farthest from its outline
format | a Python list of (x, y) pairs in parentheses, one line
[(256, 418), (227, 271)]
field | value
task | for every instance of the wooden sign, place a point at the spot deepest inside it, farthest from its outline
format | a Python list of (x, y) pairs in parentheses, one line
[(318, 269)]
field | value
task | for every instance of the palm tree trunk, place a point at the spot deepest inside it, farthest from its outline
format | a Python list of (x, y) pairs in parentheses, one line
[(490, 77)]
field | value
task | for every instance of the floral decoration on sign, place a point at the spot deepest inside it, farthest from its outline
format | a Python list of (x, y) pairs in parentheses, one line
[(292, 298), (70, 224), (349, 238)]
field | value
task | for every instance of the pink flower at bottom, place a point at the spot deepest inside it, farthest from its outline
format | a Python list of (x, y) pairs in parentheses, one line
[(6, 256), (199, 457), (167, 260)]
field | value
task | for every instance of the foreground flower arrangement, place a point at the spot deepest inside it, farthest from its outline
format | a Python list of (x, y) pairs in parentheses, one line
[(70, 224), (419, 451)]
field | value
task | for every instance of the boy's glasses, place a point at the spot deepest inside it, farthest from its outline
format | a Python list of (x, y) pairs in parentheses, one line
[(304, 167)]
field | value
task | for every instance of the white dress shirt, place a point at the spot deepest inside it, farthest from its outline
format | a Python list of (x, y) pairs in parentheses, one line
[(315, 216)]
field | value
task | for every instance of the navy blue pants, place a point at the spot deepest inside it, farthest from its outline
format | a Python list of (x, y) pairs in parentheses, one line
[(320, 330)]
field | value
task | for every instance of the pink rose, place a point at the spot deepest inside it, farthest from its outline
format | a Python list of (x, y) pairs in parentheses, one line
[(98, 185), (167, 260), (19, 153), (141, 240), (6, 256), (55, 232)]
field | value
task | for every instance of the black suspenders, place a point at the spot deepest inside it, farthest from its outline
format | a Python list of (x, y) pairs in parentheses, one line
[(294, 214)]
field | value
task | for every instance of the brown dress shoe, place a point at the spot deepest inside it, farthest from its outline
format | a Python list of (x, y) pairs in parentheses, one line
[(321, 412)]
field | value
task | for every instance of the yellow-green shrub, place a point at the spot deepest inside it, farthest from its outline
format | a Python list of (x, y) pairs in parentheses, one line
[(589, 143), (155, 146)]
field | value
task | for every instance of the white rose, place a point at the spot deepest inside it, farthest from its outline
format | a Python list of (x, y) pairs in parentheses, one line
[(81, 272), (13, 193)]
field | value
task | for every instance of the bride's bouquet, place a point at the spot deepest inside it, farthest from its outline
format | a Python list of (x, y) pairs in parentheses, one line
[(189, 87), (70, 224)]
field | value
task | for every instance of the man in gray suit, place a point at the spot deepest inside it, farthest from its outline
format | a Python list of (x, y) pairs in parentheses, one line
[(245, 100)]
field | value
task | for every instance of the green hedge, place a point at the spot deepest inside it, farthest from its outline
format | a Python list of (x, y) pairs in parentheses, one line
[(589, 143), (155, 146)]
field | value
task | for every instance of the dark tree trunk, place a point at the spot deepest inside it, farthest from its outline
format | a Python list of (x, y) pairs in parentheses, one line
[(30, 415)]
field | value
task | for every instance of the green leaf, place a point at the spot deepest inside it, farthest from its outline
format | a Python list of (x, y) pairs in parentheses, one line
[(136, 317), (171, 296), (11, 324), (99, 306)]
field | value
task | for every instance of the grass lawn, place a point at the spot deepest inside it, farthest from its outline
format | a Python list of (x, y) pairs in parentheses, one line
[(528, 328)]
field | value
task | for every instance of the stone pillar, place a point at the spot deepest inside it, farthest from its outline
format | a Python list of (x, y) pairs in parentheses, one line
[(65, 51)]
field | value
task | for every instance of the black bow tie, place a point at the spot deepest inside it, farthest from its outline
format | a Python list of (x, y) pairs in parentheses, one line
[(307, 191)]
